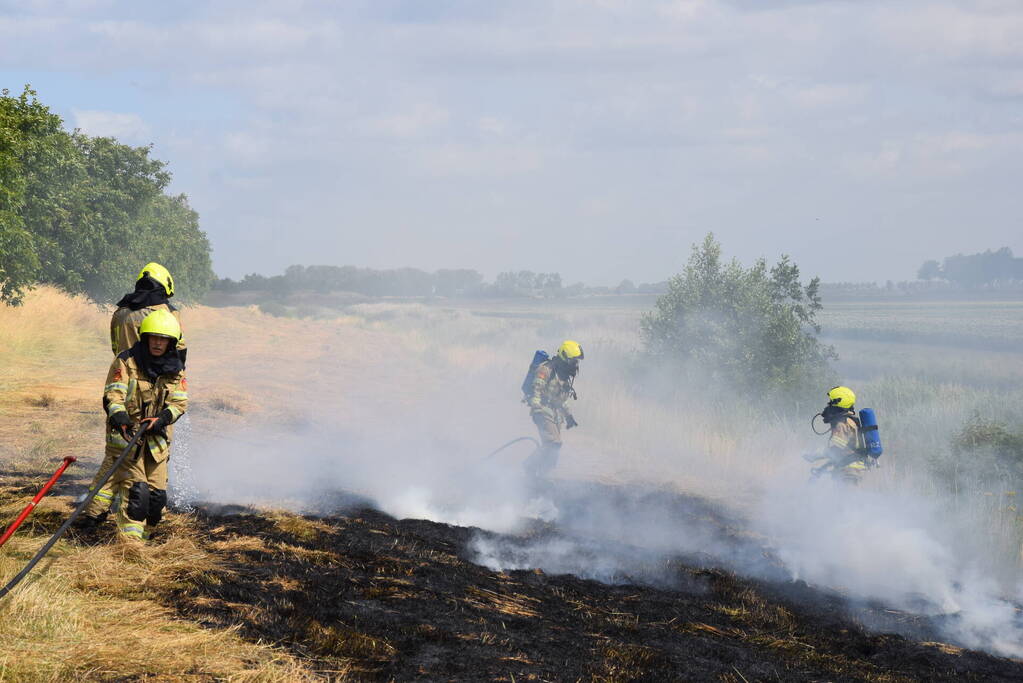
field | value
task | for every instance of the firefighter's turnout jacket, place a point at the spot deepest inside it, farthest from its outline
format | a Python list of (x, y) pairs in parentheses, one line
[(845, 445), (138, 489), (124, 334), (124, 326), (550, 393), (548, 403)]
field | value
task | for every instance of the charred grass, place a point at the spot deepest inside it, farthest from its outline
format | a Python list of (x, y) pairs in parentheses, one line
[(382, 599), (263, 595)]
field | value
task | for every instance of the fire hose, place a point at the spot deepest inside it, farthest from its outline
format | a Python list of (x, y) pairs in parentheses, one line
[(536, 444), (35, 501), (74, 515)]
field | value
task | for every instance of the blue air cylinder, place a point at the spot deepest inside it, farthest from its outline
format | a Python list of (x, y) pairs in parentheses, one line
[(538, 358), (871, 436)]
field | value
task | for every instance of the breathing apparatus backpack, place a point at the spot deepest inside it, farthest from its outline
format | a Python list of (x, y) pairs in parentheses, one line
[(527, 384), (870, 434)]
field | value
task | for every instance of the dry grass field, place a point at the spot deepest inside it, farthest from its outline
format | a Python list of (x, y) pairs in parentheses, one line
[(401, 383)]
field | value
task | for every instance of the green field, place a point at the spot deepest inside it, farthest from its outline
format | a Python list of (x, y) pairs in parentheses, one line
[(984, 325)]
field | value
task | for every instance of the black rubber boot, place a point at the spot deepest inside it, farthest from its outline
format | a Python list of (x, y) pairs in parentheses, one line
[(85, 528)]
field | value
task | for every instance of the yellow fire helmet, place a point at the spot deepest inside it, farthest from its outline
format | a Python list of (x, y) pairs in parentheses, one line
[(843, 397), (162, 323), (570, 350), (160, 274)]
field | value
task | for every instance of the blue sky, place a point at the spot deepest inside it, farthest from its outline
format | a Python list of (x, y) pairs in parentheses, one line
[(599, 138)]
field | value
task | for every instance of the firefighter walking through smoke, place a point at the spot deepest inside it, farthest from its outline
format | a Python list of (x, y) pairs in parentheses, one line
[(547, 395), (145, 389)]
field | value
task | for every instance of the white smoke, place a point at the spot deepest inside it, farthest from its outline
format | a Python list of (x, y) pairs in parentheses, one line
[(865, 544), (413, 444), (896, 548)]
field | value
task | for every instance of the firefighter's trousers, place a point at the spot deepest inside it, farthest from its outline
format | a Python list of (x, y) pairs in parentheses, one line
[(542, 462), (138, 490)]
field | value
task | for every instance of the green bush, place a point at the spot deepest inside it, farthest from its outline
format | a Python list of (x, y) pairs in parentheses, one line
[(985, 452), (741, 329)]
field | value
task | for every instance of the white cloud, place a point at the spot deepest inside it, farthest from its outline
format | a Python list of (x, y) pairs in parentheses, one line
[(124, 126), (494, 160), (823, 95), (355, 103), (419, 119), (957, 31)]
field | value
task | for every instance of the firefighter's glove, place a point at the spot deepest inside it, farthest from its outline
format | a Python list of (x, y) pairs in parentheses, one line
[(121, 421), (155, 424), (570, 422)]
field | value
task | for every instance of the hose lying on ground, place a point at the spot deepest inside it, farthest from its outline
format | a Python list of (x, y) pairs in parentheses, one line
[(74, 515), (536, 444)]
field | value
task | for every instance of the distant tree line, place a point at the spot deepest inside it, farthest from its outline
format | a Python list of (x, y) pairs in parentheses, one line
[(415, 282), (85, 213), (990, 268)]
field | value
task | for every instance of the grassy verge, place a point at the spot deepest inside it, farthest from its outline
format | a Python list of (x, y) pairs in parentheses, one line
[(92, 613)]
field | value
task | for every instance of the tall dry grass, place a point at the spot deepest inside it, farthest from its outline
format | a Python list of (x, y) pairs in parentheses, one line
[(94, 614), (51, 324)]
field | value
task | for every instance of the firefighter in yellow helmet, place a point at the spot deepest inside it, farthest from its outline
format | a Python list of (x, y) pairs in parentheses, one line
[(145, 389), (153, 289), (846, 454), (553, 385)]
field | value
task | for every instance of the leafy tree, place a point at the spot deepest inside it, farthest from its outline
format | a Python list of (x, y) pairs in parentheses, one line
[(752, 329), (984, 452), (28, 135), (85, 213), (975, 270), (90, 231), (458, 282), (170, 235), (549, 284), (930, 270)]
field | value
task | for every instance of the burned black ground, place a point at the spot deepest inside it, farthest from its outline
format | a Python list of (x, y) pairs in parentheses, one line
[(387, 599)]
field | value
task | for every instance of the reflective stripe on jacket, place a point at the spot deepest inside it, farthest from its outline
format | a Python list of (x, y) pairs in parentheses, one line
[(128, 389)]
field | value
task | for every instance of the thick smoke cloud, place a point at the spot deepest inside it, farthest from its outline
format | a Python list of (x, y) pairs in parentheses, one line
[(864, 544), (421, 453)]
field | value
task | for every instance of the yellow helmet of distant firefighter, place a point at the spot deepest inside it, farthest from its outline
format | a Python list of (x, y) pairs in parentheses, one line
[(161, 323), (570, 350), (842, 397), (160, 274)]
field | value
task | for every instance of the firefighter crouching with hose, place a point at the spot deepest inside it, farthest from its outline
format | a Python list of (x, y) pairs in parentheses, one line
[(853, 446), (145, 389)]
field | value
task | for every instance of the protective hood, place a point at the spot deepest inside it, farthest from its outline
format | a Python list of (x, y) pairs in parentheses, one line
[(833, 414), (565, 370), (170, 363), (148, 292)]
